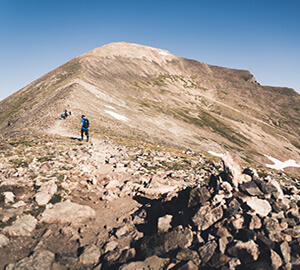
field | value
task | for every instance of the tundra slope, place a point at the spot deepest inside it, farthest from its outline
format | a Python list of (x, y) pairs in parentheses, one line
[(167, 100)]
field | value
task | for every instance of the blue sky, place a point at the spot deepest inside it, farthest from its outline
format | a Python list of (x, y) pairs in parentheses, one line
[(262, 36)]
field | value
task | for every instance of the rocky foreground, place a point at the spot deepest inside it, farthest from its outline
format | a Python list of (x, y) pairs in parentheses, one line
[(67, 204)]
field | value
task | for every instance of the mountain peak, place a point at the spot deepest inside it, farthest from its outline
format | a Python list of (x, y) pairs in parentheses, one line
[(130, 50)]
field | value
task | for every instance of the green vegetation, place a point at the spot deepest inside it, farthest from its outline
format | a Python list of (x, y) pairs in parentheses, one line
[(35, 211)]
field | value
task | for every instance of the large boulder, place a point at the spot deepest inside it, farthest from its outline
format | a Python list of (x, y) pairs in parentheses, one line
[(23, 226), (67, 212)]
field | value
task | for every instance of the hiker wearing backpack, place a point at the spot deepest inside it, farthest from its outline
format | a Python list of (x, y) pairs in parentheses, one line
[(85, 123)]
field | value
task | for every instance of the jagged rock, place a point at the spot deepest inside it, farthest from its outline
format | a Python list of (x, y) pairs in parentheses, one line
[(9, 197), (233, 170), (45, 192), (233, 207), (122, 231), (285, 252), (109, 246), (279, 194), (262, 240), (66, 259), (273, 229), (245, 251), (198, 195), (223, 241), (19, 204), (112, 256), (207, 251), (164, 223), (255, 222), (39, 260), (275, 259), (23, 226), (3, 240), (190, 265), (178, 237), (188, 255), (127, 255), (233, 263), (67, 212), (218, 260), (250, 188), (237, 222), (90, 255), (150, 263), (205, 217), (261, 207)]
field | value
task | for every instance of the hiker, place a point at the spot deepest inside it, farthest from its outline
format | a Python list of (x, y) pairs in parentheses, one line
[(63, 116), (66, 113), (85, 123), (8, 123)]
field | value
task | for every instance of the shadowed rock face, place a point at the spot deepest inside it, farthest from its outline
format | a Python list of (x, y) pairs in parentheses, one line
[(161, 98)]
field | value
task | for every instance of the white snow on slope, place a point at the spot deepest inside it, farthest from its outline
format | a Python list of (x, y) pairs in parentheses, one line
[(109, 107), (164, 53), (215, 154), (117, 116), (279, 165)]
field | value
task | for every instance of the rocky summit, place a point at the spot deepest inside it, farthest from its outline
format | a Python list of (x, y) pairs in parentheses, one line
[(68, 204), (172, 178)]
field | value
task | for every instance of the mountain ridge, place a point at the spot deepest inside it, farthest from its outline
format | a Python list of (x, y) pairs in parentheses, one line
[(167, 99)]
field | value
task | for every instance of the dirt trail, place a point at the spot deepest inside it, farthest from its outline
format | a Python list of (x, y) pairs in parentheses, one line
[(60, 128)]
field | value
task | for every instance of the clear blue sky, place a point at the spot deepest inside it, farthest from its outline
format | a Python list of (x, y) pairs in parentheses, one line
[(262, 36)]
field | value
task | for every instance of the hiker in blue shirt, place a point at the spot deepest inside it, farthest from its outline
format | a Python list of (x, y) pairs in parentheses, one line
[(85, 123)]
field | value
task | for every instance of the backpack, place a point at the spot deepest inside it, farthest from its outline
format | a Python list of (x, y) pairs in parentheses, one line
[(86, 123)]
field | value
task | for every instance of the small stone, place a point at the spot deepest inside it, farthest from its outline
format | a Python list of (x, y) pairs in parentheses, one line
[(164, 223), (109, 246), (205, 217), (250, 188), (285, 252), (275, 259), (152, 262), (245, 251), (255, 223), (178, 237), (90, 255), (9, 197), (188, 266), (3, 240), (207, 251)]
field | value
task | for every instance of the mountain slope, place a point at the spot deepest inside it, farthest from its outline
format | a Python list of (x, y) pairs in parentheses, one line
[(162, 99)]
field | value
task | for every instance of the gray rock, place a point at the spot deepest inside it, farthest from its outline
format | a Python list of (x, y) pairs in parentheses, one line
[(245, 251), (205, 217), (255, 222), (45, 192), (164, 223), (190, 265), (109, 246), (198, 195), (151, 263), (23, 226), (188, 255), (275, 259), (3, 240), (178, 237), (39, 260), (66, 259), (261, 207), (285, 252), (218, 260), (207, 251), (250, 188), (122, 231), (67, 212), (126, 255), (90, 255), (9, 197)]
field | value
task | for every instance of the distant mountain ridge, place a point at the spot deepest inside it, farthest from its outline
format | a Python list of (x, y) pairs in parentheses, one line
[(163, 99)]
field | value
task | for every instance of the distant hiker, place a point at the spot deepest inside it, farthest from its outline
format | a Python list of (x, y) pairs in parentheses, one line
[(70, 113), (85, 123), (66, 113), (63, 116), (8, 123)]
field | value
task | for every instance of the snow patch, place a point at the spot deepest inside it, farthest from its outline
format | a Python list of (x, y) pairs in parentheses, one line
[(117, 116), (215, 154), (163, 53), (279, 165), (109, 107)]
